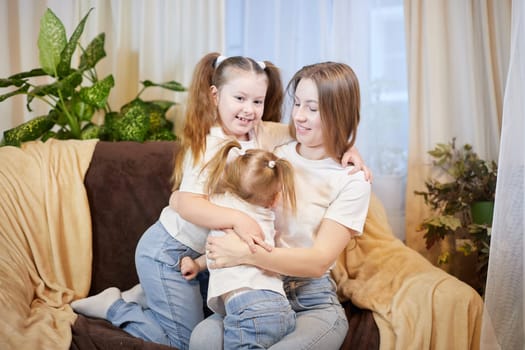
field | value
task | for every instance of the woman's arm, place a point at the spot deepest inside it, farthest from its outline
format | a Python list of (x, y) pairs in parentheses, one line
[(330, 241), (197, 209)]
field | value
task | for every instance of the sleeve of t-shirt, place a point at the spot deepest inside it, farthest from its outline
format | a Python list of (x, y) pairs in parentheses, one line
[(194, 177), (351, 205), (271, 135)]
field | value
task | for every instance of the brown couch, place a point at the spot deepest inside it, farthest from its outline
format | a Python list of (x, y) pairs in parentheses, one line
[(127, 185), (71, 213)]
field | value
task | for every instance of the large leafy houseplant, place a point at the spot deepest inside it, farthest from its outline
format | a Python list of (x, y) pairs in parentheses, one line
[(73, 102), (462, 180)]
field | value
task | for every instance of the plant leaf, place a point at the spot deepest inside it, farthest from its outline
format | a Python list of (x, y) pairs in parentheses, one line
[(170, 85), (51, 41), (20, 91), (82, 110), (63, 68), (90, 131), (93, 53), (163, 104), (97, 94), (11, 82), (30, 130), (65, 86), (37, 72)]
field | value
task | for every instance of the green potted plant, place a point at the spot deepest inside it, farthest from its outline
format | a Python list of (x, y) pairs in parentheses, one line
[(75, 93), (463, 180)]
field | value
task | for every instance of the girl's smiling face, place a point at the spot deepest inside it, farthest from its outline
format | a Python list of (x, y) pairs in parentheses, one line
[(240, 102), (307, 120)]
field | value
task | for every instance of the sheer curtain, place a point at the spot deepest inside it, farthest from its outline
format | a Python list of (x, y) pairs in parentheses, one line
[(367, 35), (458, 59), (503, 324), (159, 40)]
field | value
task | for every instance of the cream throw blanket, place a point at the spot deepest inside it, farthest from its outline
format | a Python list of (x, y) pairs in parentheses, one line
[(45, 241), (415, 305)]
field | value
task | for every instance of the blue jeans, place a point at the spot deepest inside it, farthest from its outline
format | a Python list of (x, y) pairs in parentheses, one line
[(320, 319), (257, 319), (175, 305)]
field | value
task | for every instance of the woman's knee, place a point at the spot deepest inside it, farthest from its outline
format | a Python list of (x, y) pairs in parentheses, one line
[(208, 334)]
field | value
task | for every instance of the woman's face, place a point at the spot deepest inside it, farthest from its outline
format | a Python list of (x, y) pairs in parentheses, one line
[(240, 102), (307, 120)]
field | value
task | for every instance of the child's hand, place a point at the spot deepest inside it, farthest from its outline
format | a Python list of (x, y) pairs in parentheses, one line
[(188, 268), (352, 156)]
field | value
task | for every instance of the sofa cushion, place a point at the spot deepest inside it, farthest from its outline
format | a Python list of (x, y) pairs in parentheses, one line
[(128, 184)]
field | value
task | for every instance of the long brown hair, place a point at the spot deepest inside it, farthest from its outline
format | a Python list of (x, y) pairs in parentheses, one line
[(339, 103), (201, 111), (256, 176)]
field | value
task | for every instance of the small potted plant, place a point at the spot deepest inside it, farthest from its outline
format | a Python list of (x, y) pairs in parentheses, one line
[(462, 182)]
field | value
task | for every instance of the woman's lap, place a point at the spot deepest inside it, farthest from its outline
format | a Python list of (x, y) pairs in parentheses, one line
[(321, 320)]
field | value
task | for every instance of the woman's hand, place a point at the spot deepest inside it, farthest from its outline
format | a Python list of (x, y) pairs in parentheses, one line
[(226, 251), (352, 156)]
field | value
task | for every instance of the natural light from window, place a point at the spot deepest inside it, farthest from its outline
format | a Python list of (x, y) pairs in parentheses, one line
[(366, 34)]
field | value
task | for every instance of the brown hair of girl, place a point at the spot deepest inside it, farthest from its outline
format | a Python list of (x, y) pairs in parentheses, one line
[(256, 176), (339, 103), (201, 111)]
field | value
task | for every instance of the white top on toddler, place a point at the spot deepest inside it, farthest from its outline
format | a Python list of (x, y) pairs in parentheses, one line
[(225, 280)]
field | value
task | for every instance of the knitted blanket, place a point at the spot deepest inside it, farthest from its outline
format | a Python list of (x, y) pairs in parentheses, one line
[(415, 304), (45, 228)]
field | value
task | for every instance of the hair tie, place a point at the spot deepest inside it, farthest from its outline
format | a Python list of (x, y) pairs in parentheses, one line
[(271, 164), (262, 64), (219, 60)]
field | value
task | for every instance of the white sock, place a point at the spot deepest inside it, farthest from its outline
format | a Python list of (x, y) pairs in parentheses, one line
[(97, 305), (135, 295)]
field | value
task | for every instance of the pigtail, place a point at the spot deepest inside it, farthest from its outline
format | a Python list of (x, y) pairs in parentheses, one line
[(286, 177), (217, 165), (200, 115), (273, 101)]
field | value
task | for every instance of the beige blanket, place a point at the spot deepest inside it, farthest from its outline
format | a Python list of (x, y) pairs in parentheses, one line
[(45, 240), (415, 305)]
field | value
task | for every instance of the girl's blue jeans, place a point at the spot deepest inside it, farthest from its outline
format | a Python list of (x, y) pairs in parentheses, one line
[(257, 319), (320, 319), (175, 305)]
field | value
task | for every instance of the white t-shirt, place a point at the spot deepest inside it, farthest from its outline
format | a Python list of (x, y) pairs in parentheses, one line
[(229, 279), (324, 190)]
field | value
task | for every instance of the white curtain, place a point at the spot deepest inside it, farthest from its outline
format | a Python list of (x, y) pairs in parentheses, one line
[(367, 35), (503, 323), (159, 40), (458, 59)]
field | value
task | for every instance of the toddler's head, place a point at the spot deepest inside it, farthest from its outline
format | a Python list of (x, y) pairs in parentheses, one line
[(256, 176)]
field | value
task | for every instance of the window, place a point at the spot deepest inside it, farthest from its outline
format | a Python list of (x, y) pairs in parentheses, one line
[(367, 35)]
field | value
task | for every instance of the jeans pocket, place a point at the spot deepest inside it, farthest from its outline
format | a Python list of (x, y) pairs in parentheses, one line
[(312, 294), (172, 251)]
